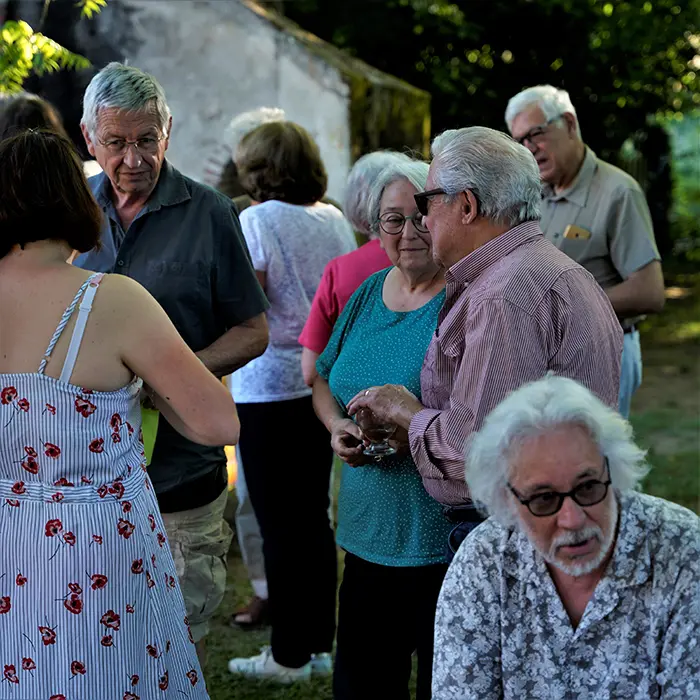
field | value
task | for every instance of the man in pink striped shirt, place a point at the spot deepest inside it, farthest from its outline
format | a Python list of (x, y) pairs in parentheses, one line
[(516, 308)]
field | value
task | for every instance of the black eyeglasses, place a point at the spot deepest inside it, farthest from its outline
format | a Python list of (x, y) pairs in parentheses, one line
[(535, 134), (422, 199), (393, 223), (589, 493)]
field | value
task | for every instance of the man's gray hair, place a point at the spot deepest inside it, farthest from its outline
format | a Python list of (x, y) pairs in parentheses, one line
[(502, 174), (413, 171), (535, 409), (242, 124), (126, 88), (552, 101), (360, 180)]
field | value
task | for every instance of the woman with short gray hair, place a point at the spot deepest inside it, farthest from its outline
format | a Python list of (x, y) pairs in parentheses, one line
[(393, 533)]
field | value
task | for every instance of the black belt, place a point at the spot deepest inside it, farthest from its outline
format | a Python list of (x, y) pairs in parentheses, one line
[(463, 514), (629, 329)]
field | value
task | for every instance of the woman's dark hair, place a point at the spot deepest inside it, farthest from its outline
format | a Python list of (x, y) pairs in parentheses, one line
[(44, 194), (28, 111), (280, 160)]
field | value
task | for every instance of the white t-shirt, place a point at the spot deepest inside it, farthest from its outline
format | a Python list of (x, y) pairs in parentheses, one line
[(292, 244)]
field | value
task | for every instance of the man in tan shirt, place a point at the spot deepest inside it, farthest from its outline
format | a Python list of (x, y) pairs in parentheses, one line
[(595, 213)]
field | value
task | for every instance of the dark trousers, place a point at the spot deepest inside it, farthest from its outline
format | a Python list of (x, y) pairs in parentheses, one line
[(287, 460), (386, 613)]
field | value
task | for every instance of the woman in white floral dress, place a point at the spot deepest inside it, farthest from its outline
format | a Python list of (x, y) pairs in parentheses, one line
[(90, 605)]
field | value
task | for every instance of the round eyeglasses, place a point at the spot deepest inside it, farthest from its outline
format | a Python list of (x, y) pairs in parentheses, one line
[(589, 493), (393, 223), (148, 145)]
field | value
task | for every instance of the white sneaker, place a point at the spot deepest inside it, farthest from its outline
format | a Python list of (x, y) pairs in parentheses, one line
[(264, 666), (321, 664)]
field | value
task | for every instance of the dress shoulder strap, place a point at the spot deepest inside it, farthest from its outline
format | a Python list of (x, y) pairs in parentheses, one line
[(91, 282)]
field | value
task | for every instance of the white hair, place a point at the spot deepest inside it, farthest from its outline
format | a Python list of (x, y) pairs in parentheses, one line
[(535, 409), (242, 124), (552, 101), (413, 171), (502, 174), (126, 88), (360, 180)]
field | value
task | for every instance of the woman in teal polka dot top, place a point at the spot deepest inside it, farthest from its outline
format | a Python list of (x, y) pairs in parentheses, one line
[(392, 531)]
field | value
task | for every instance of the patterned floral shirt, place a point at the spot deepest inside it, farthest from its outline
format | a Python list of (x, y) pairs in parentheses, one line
[(501, 630)]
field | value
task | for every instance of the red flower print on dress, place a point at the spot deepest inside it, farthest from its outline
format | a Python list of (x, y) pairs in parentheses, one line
[(18, 488), (102, 491), (149, 581), (8, 395), (134, 680), (69, 538), (130, 608), (51, 409), (137, 566), (161, 538), (51, 450), (13, 502), (31, 465), (5, 604), (170, 580), (53, 527), (48, 635), (107, 641), (23, 405), (126, 506), (84, 407), (130, 696), (97, 539), (75, 588), (99, 581), (31, 452), (111, 620), (167, 646), (153, 560), (116, 437), (60, 696), (85, 480), (192, 675), (152, 651), (28, 664), (152, 522), (10, 674), (163, 681), (97, 445), (21, 580), (77, 668), (129, 428), (125, 528), (57, 497), (74, 604), (189, 630), (117, 489), (63, 482), (115, 422)]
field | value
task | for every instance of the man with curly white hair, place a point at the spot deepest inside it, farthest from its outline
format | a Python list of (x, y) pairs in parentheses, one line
[(577, 586)]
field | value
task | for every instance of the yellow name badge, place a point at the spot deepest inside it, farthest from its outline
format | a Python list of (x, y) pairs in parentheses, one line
[(572, 231)]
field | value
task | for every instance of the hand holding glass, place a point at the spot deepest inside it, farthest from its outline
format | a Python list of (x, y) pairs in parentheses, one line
[(376, 432)]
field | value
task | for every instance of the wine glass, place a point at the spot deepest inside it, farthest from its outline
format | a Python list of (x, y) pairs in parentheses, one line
[(377, 432)]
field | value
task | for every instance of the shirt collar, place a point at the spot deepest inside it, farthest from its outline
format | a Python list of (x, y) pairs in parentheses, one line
[(631, 560), (577, 192), (474, 264), (170, 189)]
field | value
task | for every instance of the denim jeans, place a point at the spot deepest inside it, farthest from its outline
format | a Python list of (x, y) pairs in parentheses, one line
[(466, 519), (630, 371)]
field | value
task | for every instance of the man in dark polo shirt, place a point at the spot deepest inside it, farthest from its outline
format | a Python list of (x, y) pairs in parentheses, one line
[(183, 242)]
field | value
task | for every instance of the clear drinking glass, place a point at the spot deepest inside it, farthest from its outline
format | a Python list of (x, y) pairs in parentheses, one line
[(377, 432)]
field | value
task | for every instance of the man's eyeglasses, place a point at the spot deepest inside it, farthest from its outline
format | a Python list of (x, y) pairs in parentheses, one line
[(422, 199), (589, 493), (393, 223), (534, 136), (148, 145)]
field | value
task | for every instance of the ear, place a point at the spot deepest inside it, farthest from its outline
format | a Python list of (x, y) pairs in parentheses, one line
[(571, 123), (469, 207), (88, 141), (167, 138)]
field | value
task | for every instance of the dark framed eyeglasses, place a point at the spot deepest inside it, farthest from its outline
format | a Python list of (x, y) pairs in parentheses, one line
[(393, 223), (588, 493), (147, 145), (535, 134), (422, 199)]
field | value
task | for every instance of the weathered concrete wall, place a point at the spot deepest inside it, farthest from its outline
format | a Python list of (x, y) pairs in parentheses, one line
[(217, 58)]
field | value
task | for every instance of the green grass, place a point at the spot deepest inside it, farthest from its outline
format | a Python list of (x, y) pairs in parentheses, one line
[(666, 419)]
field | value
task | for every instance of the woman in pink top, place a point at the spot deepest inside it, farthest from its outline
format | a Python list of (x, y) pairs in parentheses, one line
[(344, 274)]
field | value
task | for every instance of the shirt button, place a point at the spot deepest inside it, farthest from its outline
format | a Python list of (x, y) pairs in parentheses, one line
[(120, 263)]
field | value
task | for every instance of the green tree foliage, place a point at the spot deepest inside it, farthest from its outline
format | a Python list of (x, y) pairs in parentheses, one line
[(620, 60), (24, 52)]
